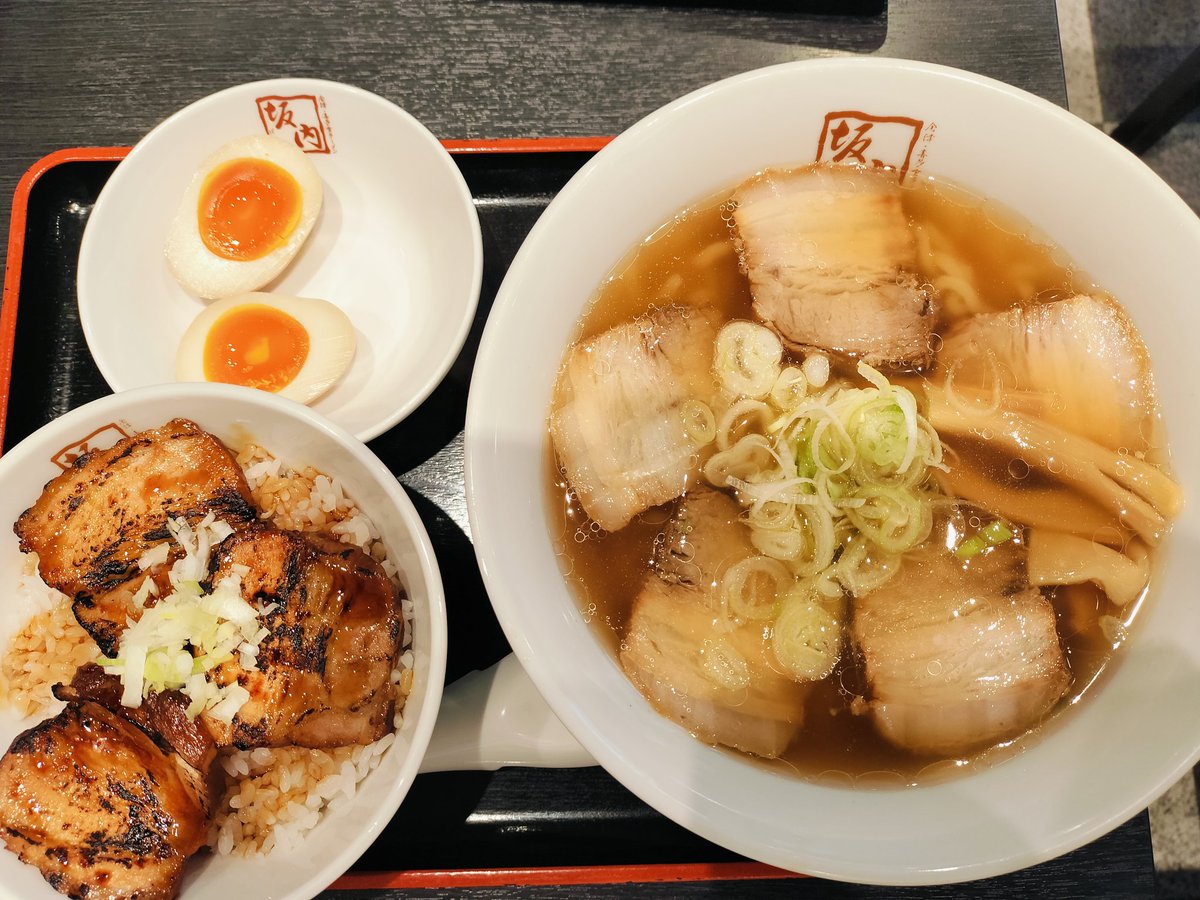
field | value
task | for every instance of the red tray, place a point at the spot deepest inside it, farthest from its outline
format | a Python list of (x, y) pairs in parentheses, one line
[(516, 832)]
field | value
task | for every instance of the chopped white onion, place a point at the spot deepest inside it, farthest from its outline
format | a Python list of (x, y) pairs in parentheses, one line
[(188, 633), (155, 556)]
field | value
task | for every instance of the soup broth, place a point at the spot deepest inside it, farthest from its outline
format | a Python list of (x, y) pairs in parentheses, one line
[(975, 258)]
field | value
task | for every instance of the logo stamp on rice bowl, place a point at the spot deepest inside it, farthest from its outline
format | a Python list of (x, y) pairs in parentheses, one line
[(104, 436)]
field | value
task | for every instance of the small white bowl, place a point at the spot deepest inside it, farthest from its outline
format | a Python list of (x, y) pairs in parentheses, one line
[(1100, 763), (397, 245), (299, 436)]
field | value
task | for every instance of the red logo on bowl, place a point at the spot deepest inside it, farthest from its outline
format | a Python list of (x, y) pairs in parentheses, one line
[(867, 140), (301, 119), (102, 437)]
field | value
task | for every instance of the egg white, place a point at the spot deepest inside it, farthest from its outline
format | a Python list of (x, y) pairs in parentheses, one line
[(330, 335), (207, 275)]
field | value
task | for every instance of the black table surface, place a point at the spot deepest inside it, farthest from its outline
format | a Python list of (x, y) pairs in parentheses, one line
[(81, 73)]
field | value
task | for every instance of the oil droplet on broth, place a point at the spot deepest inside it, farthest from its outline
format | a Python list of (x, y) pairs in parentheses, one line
[(1018, 468)]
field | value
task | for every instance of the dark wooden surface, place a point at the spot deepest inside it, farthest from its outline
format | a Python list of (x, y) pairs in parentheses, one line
[(104, 73), (101, 74)]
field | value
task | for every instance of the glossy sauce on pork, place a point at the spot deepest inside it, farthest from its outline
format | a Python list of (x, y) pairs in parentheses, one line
[(694, 263), (99, 808), (323, 675)]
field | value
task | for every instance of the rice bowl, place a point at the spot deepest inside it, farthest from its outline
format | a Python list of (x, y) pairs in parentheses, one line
[(274, 784)]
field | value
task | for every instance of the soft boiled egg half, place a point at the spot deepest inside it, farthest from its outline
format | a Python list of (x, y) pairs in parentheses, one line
[(243, 217), (296, 347)]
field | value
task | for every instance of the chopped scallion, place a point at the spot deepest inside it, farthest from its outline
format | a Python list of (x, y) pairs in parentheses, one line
[(990, 535)]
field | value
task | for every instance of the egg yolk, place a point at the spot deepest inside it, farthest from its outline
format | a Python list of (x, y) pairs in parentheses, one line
[(256, 346), (247, 208)]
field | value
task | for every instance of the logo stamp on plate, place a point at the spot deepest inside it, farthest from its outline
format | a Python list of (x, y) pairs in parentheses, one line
[(102, 437), (301, 120), (856, 137)]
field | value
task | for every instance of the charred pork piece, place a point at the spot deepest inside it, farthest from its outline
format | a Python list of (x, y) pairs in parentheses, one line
[(831, 262), (104, 615), (99, 808), (324, 671), (619, 422), (92, 523), (163, 716), (959, 654), (718, 681)]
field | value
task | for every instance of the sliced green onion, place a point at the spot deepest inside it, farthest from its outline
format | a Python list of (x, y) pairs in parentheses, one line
[(806, 635), (829, 460), (996, 533), (989, 535), (750, 586), (699, 423), (789, 389), (971, 547), (893, 518), (746, 359), (816, 369)]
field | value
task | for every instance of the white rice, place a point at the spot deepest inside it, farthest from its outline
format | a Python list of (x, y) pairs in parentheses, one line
[(46, 651)]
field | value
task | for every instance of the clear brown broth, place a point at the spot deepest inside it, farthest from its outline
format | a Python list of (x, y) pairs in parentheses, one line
[(606, 570)]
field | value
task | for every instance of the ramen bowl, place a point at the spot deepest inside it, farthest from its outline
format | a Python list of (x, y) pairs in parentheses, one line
[(1092, 767), (299, 437)]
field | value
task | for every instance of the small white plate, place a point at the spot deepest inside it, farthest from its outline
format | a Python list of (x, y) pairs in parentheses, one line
[(397, 244)]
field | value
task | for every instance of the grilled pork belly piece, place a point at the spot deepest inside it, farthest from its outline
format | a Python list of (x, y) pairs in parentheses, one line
[(104, 615), (92, 523), (1079, 361), (324, 671), (620, 406), (99, 808), (163, 716), (959, 654), (831, 262), (720, 683)]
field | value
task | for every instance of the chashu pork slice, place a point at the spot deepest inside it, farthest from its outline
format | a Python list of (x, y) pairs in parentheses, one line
[(99, 808), (323, 676), (959, 655), (93, 522), (1079, 359), (620, 413), (717, 679), (703, 538), (831, 261)]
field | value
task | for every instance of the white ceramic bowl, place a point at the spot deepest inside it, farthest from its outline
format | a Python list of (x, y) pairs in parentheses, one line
[(397, 244), (299, 436), (1101, 763)]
